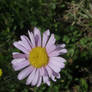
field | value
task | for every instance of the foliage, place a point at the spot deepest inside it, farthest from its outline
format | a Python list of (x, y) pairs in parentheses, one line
[(70, 20)]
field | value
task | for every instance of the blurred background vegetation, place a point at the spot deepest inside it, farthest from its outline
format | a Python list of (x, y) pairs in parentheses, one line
[(70, 20)]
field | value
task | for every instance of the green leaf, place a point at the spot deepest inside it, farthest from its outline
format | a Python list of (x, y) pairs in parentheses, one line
[(66, 39), (84, 85)]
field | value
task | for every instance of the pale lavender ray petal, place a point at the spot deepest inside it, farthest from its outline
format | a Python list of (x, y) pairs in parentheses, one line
[(20, 47), (21, 65), (35, 80), (18, 55), (53, 54), (39, 78), (37, 36), (57, 52), (57, 75), (26, 42), (54, 67), (57, 63), (24, 73), (51, 48), (39, 82), (60, 46), (45, 72), (53, 77), (24, 45), (31, 36), (63, 51), (30, 77), (45, 77), (46, 80), (17, 61), (49, 70), (41, 71), (45, 38), (50, 73), (51, 41), (59, 59)]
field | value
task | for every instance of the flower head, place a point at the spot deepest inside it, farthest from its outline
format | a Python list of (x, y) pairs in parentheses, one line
[(1, 72), (40, 60)]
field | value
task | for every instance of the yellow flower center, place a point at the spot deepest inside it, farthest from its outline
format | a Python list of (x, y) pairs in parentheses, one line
[(38, 57), (1, 72)]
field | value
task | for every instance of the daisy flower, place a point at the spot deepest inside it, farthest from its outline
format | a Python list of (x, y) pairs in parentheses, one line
[(1, 72), (40, 60)]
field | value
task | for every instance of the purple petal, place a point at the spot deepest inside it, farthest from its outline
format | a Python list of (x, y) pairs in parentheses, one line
[(57, 64), (39, 82), (46, 80), (17, 61), (31, 77), (37, 36), (50, 73), (45, 38), (20, 65), (51, 41), (44, 74), (59, 59), (53, 78), (49, 70), (26, 42), (57, 52), (29, 42), (24, 73), (42, 71), (39, 78), (20, 47), (54, 67), (60, 46), (57, 75), (53, 54), (35, 80), (31, 36), (63, 51), (51, 48), (24, 45), (18, 55)]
